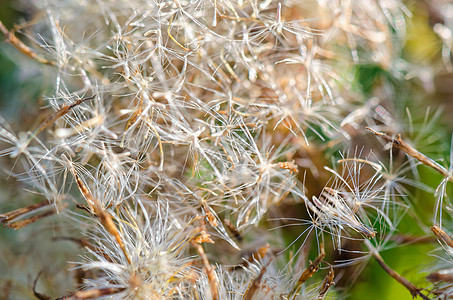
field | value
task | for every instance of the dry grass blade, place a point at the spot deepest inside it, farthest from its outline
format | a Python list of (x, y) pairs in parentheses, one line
[(24, 49), (442, 235), (212, 278), (307, 273), (403, 146)]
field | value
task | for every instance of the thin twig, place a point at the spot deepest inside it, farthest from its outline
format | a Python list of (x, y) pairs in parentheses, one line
[(132, 120), (214, 22), (403, 281), (212, 278), (403, 146), (19, 45)]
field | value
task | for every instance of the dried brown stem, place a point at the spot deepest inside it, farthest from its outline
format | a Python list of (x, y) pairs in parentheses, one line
[(24, 49), (9, 216), (58, 114), (92, 294), (212, 278), (103, 215), (403, 281), (22, 223), (440, 276), (255, 284), (326, 284), (403, 146), (84, 190), (53, 117), (109, 225), (307, 273), (442, 235)]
